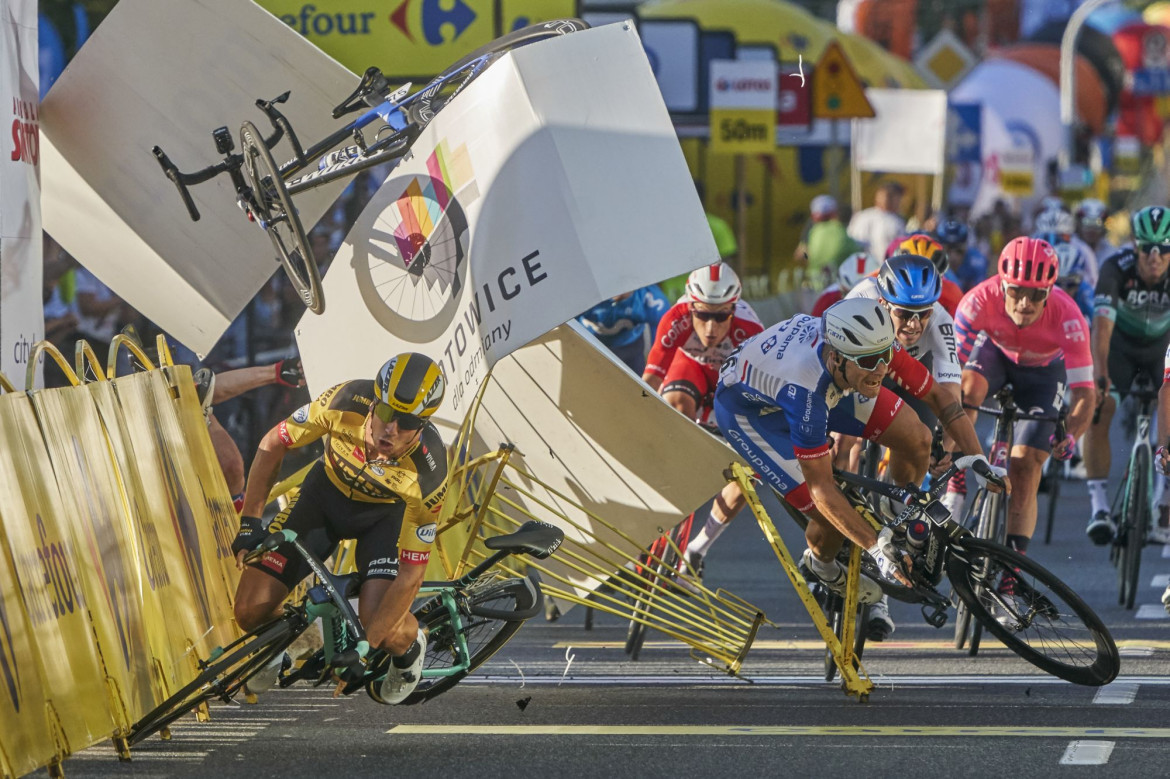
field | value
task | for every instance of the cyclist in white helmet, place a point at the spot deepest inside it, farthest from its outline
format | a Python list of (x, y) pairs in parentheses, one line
[(1063, 225), (852, 270), (1090, 216)]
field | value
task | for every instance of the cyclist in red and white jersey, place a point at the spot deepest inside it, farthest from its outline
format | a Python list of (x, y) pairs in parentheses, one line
[(1018, 328), (694, 338), (852, 270)]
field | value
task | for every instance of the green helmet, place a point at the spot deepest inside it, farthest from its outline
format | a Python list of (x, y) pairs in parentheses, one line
[(1152, 225)]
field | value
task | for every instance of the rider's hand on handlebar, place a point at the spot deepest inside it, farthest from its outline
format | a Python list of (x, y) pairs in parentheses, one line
[(938, 467), (891, 561), (990, 476), (1162, 460), (1063, 449), (1102, 390), (251, 533)]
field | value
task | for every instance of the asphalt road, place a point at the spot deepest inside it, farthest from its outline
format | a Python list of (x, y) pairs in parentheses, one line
[(562, 701)]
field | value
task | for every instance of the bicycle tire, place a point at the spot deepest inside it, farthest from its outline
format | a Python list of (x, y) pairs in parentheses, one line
[(1134, 516), (835, 614), (280, 219), (993, 527), (1056, 473), (422, 107), (222, 677), (485, 634), (975, 522), (1038, 591)]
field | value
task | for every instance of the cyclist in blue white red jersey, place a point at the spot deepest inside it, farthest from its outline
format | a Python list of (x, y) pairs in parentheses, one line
[(968, 265), (783, 390), (621, 323), (1073, 264)]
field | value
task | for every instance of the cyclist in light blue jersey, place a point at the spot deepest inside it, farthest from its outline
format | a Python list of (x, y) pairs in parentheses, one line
[(621, 323)]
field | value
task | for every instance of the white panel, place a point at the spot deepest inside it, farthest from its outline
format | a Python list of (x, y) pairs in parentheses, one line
[(908, 135)]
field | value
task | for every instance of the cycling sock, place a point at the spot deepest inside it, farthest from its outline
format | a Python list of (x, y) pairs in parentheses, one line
[(1098, 494), (238, 502), (1018, 543), (702, 541), (958, 483), (826, 571), (407, 658)]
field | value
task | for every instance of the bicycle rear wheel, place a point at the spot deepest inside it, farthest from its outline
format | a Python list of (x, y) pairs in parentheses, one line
[(280, 220), (495, 611), (223, 676), (1133, 529), (1050, 626)]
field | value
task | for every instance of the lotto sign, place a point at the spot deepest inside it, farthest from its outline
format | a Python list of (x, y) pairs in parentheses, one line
[(743, 106), (1017, 174)]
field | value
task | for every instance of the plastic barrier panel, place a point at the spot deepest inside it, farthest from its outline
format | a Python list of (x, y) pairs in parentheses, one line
[(46, 563)]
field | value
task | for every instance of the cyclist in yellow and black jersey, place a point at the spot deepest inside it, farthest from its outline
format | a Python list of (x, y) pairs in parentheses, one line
[(381, 482)]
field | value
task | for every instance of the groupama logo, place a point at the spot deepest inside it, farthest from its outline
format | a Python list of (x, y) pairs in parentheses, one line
[(435, 17)]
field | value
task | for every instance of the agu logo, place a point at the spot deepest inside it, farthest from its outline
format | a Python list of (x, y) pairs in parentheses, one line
[(442, 21)]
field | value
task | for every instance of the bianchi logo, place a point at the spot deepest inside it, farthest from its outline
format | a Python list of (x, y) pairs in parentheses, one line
[(415, 238), (426, 533)]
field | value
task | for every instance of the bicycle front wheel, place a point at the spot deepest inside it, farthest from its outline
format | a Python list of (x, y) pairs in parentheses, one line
[(1043, 620), (485, 627), (280, 220), (1055, 476), (223, 676), (1133, 529)]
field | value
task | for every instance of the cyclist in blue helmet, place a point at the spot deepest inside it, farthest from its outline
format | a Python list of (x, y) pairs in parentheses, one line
[(968, 264), (1073, 269)]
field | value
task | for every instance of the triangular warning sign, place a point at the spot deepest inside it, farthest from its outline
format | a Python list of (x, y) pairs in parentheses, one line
[(837, 92)]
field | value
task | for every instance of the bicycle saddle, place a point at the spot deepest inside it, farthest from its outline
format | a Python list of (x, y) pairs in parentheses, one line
[(538, 539)]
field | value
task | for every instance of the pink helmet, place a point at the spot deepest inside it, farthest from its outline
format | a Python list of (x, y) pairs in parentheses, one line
[(1029, 262)]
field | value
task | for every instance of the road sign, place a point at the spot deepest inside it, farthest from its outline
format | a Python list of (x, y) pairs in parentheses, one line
[(793, 103), (836, 90), (743, 106), (965, 131)]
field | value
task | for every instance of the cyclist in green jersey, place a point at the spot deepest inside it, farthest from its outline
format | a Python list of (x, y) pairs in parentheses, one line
[(1131, 332)]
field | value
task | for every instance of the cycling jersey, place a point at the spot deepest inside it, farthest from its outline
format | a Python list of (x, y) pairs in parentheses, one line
[(618, 323), (1082, 296), (776, 402), (935, 348), (418, 478), (972, 269), (828, 297), (676, 337), (1092, 264), (1140, 311), (1061, 332)]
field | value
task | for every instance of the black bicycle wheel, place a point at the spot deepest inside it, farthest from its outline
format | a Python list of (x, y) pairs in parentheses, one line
[(1055, 476), (636, 633), (280, 219), (223, 676), (1051, 627), (835, 615), (484, 627), (421, 107), (1134, 517)]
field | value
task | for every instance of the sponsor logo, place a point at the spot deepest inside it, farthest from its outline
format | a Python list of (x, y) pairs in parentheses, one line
[(768, 344), (426, 533), (435, 501), (1074, 330), (793, 390), (391, 561), (311, 22), (26, 134), (415, 558), (744, 85), (274, 561), (283, 434), (301, 415), (377, 470), (436, 18)]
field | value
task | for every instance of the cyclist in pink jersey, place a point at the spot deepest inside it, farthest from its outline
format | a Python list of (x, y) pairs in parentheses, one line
[(1018, 328)]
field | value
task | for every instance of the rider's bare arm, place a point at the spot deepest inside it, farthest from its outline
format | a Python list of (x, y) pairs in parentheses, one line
[(654, 380), (832, 503), (1099, 344), (264, 472), (1084, 400), (946, 401), (229, 384)]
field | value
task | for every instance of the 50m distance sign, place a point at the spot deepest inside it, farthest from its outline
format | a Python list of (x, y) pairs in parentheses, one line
[(742, 131), (743, 106)]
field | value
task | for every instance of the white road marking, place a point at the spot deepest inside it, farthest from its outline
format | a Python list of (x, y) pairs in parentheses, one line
[(1152, 611), (1136, 651), (1166, 551), (1160, 581), (1087, 753), (774, 681), (1116, 694)]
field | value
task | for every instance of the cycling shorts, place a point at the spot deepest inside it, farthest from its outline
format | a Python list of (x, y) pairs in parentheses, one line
[(761, 435), (1036, 389), (692, 378), (322, 517), (1127, 360)]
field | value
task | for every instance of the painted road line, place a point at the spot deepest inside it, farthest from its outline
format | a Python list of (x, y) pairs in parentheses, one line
[(1136, 651), (881, 731), (884, 646), (1087, 753), (1166, 551), (1160, 581), (1116, 694), (1148, 611), (884, 682)]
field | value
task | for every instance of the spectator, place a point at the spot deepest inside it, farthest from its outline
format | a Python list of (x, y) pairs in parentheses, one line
[(876, 227), (725, 243), (828, 242), (100, 311)]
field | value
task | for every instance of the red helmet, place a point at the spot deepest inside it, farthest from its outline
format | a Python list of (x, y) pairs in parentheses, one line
[(1029, 262)]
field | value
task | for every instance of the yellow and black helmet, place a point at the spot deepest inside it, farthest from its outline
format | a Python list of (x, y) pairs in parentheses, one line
[(411, 383)]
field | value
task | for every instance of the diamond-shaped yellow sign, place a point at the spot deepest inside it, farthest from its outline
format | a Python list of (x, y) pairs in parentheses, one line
[(837, 92)]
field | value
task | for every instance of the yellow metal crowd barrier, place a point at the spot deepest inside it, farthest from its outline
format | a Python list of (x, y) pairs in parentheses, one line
[(115, 560)]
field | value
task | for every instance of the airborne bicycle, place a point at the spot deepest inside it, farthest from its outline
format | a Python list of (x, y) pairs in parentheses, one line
[(467, 621), (391, 121)]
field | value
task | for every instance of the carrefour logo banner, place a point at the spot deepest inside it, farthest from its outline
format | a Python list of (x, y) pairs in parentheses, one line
[(410, 39), (554, 181)]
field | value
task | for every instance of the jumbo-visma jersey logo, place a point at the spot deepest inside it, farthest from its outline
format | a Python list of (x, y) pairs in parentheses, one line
[(441, 21)]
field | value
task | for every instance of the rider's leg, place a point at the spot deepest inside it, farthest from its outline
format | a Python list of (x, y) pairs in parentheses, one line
[(726, 505), (909, 443), (1024, 468), (258, 598), (975, 389), (682, 402), (1098, 457)]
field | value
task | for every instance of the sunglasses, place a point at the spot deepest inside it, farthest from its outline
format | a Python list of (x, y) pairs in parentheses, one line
[(712, 316), (871, 362), (387, 414), (1035, 294), (1161, 248), (906, 314)]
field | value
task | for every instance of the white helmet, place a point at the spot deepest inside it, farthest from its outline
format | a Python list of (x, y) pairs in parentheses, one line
[(1051, 203), (714, 285), (857, 326), (1072, 261), (854, 268), (1092, 210), (1054, 221)]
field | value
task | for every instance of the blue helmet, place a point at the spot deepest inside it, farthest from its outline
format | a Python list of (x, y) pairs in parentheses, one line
[(952, 232), (909, 280), (1054, 239)]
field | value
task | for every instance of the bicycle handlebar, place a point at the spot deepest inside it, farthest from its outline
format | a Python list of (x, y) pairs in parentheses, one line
[(180, 180)]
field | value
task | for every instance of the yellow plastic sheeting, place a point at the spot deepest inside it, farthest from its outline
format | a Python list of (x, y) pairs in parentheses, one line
[(101, 532), (47, 565)]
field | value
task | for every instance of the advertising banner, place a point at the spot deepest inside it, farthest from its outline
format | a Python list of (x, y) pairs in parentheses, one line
[(908, 135), (743, 106), (22, 321), (553, 181)]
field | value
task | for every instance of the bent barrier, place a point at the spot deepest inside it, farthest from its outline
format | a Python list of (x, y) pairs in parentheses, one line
[(115, 575)]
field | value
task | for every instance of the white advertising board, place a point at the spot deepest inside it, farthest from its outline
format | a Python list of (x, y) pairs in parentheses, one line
[(554, 181), (908, 135), (584, 425), (166, 73), (22, 320), (673, 50)]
